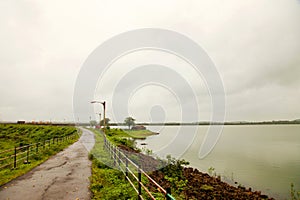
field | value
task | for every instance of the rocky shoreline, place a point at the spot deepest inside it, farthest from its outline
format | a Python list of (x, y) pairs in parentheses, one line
[(204, 186)]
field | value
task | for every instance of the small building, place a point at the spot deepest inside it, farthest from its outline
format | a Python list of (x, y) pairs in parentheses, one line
[(139, 127), (20, 122)]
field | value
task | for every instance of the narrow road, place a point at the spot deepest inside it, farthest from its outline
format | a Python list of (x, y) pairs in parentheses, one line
[(63, 176)]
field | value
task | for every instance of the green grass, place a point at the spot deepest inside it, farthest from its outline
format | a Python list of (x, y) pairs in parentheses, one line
[(127, 137), (139, 134), (107, 183), (12, 135)]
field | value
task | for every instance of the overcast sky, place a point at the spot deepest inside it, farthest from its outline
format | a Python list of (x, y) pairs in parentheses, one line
[(255, 45)]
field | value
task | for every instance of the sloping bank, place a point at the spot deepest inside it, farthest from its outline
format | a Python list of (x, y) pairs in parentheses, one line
[(184, 182)]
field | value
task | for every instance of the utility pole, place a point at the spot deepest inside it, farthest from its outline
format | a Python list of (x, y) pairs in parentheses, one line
[(104, 108)]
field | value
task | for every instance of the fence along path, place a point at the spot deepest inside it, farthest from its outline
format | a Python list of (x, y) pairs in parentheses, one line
[(11, 157), (126, 165), (63, 176)]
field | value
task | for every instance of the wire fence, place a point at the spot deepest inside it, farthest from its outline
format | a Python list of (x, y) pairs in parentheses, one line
[(134, 174), (11, 158)]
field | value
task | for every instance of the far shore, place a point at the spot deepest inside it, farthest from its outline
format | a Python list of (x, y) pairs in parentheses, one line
[(212, 123)]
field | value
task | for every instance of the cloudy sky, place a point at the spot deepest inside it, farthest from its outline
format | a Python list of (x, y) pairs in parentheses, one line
[(254, 44)]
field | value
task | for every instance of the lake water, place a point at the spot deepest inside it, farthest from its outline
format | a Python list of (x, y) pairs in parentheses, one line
[(263, 157)]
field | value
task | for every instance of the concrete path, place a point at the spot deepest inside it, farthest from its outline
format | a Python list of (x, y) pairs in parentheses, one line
[(63, 176)]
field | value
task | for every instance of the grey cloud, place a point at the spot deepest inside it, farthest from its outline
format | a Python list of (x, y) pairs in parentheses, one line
[(255, 45)]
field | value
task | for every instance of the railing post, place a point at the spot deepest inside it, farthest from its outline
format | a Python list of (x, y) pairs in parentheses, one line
[(110, 153), (168, 190), (119, 158), (140, 180), (15, 158), (27, 157), (126, 171), (114, 155), (104, 146)]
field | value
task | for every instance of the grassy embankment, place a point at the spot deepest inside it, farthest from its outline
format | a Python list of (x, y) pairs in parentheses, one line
[(136, 134), (109, 183), (12, 135)]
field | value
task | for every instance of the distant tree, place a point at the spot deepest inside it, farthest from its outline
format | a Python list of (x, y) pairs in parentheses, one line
[(93, 123), (129, 121), (107, 120)]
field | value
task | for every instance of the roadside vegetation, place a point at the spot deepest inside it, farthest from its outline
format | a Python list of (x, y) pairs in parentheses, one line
[(107, 183), (14, 135)]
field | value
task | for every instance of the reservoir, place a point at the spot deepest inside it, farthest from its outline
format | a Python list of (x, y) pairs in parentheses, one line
[(263, 157)]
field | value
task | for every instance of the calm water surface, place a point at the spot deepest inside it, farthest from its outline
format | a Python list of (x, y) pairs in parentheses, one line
[(263, 157)]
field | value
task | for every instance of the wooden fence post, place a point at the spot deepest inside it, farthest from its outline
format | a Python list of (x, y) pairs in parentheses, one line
[(27, 157), (15, 158)]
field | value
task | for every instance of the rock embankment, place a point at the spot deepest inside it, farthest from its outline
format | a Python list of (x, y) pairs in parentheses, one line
[(203, 186)]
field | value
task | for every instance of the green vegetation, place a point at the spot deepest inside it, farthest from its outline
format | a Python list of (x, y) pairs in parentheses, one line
[(139, 134), (107, 183), (173, 173), (126, 137), (107, 120), (129, 121), (119, 137), (93, 123), (211, 171), (12, 135), (206, 187), (104, 179), (294, 194)]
